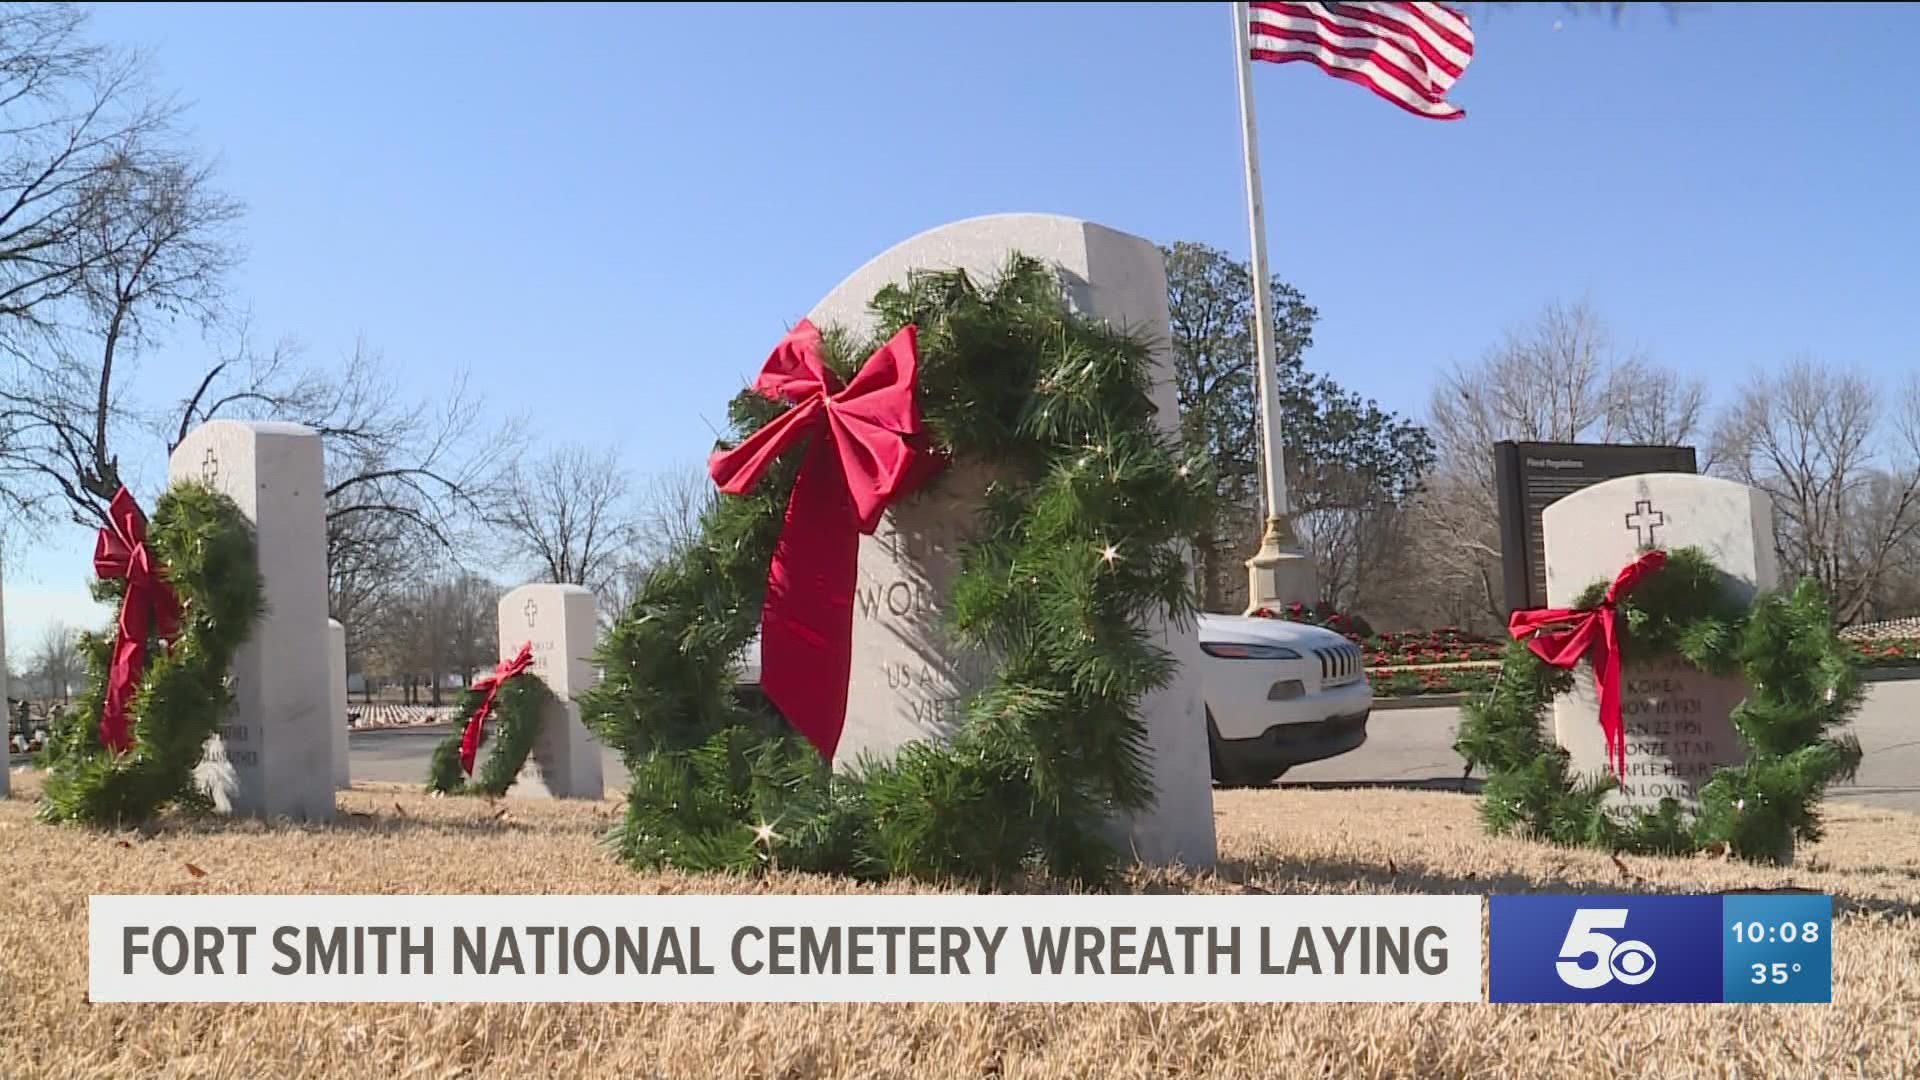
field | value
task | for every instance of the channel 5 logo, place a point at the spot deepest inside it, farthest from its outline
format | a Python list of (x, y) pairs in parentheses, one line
[(1605, 948)]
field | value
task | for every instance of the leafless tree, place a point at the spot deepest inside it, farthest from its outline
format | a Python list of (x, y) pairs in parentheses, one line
[(667, 518), (57, 663), (619, 591), (109, 227), (418, 639), (473, 623), (568, 513), (108, 222), (1898, 595), (1843, 472), (1561, 379), (1353, 549), (1456, 578), (409, 477), (1648, 405), (433, 628), (671, 505)]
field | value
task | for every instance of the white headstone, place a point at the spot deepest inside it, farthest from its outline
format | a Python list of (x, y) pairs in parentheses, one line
[(560, 621), (337, 694), (908, 680), (274, 756), (1676, 717)]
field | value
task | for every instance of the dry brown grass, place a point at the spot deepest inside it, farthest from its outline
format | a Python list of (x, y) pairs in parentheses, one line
[(395, 841)]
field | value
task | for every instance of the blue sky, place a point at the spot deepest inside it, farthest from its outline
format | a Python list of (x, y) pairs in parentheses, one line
[(609, 214)]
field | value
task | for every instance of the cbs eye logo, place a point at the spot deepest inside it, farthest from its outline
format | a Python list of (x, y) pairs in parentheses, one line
[(1590, 959)]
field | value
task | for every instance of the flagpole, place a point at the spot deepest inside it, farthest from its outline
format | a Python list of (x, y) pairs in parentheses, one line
[(1280, 572)]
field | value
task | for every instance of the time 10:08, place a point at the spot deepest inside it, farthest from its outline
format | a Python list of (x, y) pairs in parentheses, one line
[(1760, 933)]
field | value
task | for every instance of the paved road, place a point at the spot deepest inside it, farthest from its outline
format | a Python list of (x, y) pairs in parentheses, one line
[(400, 756), (1415, 746), (1411, 747)]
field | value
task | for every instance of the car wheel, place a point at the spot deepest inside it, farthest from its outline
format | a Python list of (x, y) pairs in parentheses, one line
[(1228, 774)]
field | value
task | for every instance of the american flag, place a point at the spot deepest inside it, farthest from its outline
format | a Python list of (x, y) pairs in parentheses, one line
[(1409, 54)]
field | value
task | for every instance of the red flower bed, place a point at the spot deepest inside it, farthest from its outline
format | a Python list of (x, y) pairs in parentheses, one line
[(1447, 645), (1403, 648), (1399, 684), (1888, 652), (1324, 615)]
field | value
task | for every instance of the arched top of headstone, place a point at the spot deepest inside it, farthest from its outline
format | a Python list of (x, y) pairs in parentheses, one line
[(262, 427), (549, 587), (1594, 532), (1646, 483), (1105, 272)]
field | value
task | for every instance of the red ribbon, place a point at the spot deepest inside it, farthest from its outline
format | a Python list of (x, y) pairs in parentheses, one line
[(149, 607), (859, 459), (504, 670), (1592, 630)]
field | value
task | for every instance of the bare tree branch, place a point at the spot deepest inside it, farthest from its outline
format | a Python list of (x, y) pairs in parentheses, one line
[(1560, 379), (671, 506), (568, 513), (1844, 475), (107, 221), (57, 665), (409, 478)]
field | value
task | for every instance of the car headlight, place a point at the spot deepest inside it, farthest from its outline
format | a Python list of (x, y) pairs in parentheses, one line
[(1248, 652)]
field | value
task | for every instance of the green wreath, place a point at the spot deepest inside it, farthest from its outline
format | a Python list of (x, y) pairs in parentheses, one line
[(1083, 540), (1804, 684), (205, 547), (515, 721)]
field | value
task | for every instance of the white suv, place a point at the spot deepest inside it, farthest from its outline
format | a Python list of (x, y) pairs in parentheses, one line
[(1279, 694)]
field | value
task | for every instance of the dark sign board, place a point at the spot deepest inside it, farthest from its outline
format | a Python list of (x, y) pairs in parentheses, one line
[(1529, 476)]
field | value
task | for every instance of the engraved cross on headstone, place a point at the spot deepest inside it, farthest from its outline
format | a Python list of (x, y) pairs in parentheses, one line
[(532, 609), (1644, 520), (209, 467)]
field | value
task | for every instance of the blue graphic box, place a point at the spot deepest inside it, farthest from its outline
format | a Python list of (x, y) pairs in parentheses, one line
[(1740, 948), (1778, 948), (1605, 948)]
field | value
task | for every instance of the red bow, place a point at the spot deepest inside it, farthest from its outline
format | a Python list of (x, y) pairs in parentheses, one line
[(1586, 631), (504, 670), (149, 607), (859, 460)]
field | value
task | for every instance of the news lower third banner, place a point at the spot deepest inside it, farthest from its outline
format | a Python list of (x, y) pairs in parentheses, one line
[(767, 948), (1574, 949)]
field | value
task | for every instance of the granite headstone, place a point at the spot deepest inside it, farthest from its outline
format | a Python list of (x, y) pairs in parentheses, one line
[(274, 756), (560, 622), (1675, 716), (909, 681)]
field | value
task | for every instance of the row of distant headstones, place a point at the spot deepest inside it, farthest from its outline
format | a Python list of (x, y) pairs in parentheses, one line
[(268, 759), (283, 751)]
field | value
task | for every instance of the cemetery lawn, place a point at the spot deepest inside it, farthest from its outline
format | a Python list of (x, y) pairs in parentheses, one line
[(393, 839)]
